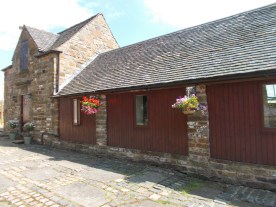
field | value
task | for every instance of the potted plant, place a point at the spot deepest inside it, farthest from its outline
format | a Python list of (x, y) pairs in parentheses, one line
[(189, 105), (90, 105), (13, 124), (28, 127)]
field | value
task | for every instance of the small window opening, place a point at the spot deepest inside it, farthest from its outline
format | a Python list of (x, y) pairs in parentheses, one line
[(269, 101), (24, 52), (141, 110)]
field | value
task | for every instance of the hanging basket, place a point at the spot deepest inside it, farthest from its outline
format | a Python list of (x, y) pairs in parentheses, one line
[(188, 112)]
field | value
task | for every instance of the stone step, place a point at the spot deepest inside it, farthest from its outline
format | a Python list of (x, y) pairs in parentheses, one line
[(18, 141)]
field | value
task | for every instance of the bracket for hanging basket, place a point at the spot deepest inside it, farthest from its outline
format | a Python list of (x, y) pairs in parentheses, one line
[(188, 112)]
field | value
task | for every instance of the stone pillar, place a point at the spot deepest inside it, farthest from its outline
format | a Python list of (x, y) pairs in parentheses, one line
[(198, 132), (101, 123)]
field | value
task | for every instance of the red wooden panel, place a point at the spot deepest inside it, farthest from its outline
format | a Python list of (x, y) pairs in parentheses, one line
[(83, 133), (236, 131), (166, 130)]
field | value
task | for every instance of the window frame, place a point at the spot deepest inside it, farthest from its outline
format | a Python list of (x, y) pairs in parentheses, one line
[(26, 56), (134, 111), (78, 123), (265, 129)]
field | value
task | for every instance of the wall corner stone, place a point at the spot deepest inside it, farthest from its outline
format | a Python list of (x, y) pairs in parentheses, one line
[(101, 123), (198, 131)]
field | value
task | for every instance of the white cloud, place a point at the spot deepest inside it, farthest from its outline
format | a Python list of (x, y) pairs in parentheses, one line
[(44, 15), (183, 13)]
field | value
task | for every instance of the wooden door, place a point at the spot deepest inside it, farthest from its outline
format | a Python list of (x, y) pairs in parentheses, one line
[(25, 109)]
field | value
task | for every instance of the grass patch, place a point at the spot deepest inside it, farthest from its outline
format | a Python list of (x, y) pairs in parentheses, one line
[(192, 185), (165, 202)]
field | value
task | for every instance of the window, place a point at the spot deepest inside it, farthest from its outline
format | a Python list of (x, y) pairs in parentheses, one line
[(269, 100), (141, 110), (76, 112), (24, 50)]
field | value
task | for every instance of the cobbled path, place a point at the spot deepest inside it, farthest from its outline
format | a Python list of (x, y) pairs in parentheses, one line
[(34, 176)]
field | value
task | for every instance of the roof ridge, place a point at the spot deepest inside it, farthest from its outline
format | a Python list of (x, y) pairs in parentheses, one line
[(67, 34), (192, 27), (85, 21)]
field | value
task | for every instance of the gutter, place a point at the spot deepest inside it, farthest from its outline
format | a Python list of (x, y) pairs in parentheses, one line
[(47, 52), (207, 81), (57, 72)]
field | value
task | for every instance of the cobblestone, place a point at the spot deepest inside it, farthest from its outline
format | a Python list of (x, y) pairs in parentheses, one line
[(37, 176)]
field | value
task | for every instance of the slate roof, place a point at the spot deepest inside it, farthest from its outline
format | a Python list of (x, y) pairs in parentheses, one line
[(70, 32), (47, 41), (44, 40), (239, 44)]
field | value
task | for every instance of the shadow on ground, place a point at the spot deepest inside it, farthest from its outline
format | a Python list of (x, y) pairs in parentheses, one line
[(137, 175)]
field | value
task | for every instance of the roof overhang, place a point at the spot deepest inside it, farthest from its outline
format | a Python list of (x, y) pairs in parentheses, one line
[(264, 75), (47, 52), (6, 68)]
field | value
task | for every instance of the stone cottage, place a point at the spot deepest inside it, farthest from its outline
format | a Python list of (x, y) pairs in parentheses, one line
[(41, 65), (229, 64)]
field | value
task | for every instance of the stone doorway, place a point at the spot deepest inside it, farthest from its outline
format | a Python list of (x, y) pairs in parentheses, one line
[(25, 110)]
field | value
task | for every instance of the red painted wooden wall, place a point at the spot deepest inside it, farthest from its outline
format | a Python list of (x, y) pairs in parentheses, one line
[(167, 128), (84, 133), (236, 131)]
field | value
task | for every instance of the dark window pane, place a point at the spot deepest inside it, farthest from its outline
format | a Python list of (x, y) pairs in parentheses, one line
[(141, 110), (24, 50), (269, 93)]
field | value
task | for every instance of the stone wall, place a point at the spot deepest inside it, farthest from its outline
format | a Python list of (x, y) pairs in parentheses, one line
[(1, 112), (44, 108), (258, 176), (18, 82), (198, 135), (197, 163), (38, 83), (101, 123), (92, 39)]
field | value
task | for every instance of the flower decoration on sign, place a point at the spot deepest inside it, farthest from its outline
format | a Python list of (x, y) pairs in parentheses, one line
[(90, 105), (189, 105)]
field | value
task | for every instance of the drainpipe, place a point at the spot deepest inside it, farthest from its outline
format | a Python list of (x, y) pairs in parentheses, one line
[(57, 73)]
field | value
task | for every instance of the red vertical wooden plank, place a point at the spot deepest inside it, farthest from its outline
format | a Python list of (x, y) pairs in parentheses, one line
[(84, 133), (232, 124), (226, 130), (221, 116), (158, 136), (252, 123), (212, 120), (242, 124), (247, 110), (269, 151)]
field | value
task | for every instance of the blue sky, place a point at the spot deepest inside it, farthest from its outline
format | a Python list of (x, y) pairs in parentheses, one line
[(131, 21)]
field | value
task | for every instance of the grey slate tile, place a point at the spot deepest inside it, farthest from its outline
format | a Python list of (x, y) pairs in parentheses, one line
[(240, 44)]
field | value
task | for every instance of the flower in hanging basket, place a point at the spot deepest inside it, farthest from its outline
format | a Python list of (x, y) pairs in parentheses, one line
[(90, 105), (189, 105)]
